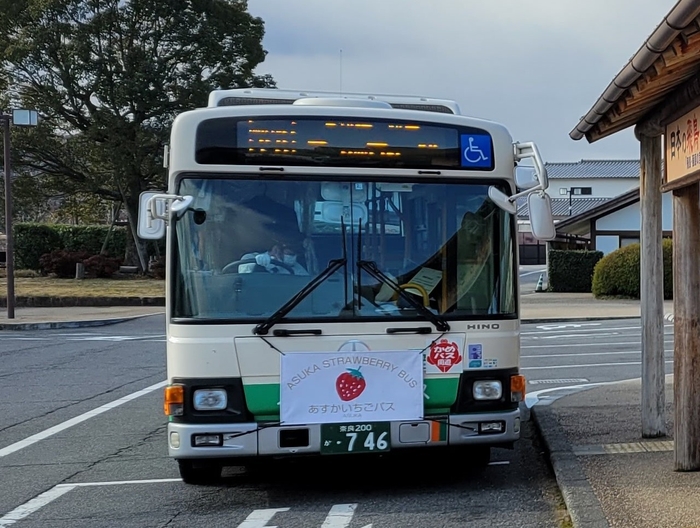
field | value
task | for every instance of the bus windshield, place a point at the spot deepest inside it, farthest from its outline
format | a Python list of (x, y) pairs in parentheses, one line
[(246, 246)]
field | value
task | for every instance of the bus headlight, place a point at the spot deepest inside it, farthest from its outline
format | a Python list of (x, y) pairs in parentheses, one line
[(210, 399), (487, 390)]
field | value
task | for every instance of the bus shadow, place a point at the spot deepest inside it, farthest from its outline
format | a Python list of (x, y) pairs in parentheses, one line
[(414, 471)]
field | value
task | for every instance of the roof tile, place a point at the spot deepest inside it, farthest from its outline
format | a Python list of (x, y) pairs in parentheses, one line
[(594, 169)]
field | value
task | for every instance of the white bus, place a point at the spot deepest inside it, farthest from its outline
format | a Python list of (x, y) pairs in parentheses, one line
[(341, 278)]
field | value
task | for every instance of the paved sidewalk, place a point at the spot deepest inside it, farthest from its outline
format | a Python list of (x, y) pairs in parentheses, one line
[(608, 474)]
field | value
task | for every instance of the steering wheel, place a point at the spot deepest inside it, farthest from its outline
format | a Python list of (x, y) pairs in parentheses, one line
[(228, 268), (413, 286)]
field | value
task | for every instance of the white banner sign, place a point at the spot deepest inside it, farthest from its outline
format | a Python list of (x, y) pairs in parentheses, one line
[(342, 387)]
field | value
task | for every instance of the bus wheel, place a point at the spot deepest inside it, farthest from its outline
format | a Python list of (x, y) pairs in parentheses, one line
[(193, 472)]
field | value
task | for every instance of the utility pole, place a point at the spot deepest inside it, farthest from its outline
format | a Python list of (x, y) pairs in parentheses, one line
[(9, 253), (19, 118)]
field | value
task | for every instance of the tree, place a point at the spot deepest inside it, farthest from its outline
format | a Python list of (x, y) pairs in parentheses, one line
[(109, 76)]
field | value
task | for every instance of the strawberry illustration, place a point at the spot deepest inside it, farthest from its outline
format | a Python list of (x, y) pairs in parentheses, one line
[(350, 384)]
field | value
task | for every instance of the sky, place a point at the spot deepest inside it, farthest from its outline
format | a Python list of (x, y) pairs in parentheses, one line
[(536, 66)]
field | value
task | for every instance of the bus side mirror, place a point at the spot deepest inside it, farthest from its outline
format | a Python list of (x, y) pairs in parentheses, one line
[(539, 205), (154, 211), (502, 200), (526, 177), (150, 228)]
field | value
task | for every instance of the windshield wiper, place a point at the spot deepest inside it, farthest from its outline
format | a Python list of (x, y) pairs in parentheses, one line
[(333, 266), (371, 267)]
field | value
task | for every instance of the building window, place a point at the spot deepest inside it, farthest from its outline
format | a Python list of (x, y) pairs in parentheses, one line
[(626, 241), (576, 191)]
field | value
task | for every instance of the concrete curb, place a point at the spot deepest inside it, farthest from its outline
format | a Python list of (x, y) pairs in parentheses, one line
[(580, 499), (71, 302), (72, 324)]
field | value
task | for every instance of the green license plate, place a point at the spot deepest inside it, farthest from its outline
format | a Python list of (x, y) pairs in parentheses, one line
[(372, 437)]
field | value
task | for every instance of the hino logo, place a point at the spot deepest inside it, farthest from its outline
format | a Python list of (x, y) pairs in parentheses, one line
[(492, 326)]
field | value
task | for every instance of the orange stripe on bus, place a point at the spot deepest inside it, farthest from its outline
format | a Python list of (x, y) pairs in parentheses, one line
[(434, 431)]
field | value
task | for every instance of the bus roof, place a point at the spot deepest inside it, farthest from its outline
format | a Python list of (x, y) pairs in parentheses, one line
[(260, 96)]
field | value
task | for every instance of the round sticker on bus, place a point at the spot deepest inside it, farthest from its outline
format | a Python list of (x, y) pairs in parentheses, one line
[(444, 355)]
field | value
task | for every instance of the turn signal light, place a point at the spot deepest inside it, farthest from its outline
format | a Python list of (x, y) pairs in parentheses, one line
[(517, 388), (174, 400)]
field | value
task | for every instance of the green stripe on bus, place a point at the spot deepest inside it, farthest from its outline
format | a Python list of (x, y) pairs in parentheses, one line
[(263, 400), (443, 431)]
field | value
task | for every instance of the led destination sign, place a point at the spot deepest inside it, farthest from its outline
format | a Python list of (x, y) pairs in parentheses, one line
[(342, 142)]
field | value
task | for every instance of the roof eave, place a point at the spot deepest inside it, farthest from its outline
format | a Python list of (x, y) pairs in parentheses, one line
[(680, 16)]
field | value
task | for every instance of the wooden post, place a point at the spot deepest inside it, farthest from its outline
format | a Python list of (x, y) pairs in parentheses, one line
[(686, 308), (652, 292)]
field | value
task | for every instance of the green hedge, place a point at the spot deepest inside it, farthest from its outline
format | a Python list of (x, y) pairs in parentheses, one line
[(617, 274), (571, 270), (34, 240)]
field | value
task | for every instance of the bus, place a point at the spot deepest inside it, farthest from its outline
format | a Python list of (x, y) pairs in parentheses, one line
[(341, 278)]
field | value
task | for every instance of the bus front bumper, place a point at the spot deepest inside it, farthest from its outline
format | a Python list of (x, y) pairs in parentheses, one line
[(190, 441)]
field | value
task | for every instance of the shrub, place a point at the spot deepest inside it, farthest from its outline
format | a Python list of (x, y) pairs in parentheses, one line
[(572, 270), (668, 268), (31, 242), (617, 274), (62, 263), (100, 266), (90, 238), (34, 240)]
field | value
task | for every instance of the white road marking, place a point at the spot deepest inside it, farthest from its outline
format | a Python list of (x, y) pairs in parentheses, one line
[(638, 327), (532, 398), (594, 344), (566, 325), (582, 334), (38, 502), (117, 483), (499, 463), (532, 273), (340, 516), (585, 354), (587, 365), (259, 518), (17, 446), (35, 504), (559, 381), (90, 337)]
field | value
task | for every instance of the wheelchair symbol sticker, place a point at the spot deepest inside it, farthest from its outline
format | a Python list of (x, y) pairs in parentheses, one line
[(476, 150)]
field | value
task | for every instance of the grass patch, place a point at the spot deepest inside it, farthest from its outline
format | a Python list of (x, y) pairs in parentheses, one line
[(50, 287)]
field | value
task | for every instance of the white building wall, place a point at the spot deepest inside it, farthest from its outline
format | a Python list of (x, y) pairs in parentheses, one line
[(600, 187), (630, 218)]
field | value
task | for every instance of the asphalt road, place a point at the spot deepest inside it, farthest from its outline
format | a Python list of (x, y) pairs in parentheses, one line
[(559, 358), (82, 444)]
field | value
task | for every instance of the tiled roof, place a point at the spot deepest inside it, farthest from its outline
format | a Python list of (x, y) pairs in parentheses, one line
[(560, 206), (594, 169)]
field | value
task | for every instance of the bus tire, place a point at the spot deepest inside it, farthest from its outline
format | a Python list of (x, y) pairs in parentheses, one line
[(193, 472)]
